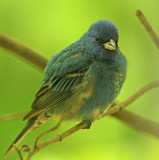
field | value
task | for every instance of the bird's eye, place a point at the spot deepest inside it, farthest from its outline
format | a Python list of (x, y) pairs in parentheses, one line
[(97, 39)]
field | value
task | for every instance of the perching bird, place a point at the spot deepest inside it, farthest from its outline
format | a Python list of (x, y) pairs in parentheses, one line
[(93, 61)]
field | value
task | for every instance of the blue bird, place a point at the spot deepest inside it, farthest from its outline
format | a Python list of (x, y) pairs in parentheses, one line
[(94, 61)]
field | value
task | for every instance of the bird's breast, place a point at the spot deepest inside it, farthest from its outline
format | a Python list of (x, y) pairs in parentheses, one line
[(107, 82), (105, 86)]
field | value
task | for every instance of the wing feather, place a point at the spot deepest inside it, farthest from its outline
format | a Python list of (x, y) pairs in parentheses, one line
[(60, 82)]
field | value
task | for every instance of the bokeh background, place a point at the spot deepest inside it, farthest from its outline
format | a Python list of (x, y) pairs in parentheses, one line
[(48, 27)]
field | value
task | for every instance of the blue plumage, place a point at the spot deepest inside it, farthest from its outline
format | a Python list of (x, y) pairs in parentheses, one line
[(93, 61)]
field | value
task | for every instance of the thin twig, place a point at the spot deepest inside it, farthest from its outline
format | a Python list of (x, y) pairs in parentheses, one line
[(18, 152), (148, 27), (46, 132), (23, 51), (63, 135), (30, 153), (59, 137)]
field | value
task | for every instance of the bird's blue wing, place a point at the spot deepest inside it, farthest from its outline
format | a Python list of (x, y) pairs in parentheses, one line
[(65, 74)]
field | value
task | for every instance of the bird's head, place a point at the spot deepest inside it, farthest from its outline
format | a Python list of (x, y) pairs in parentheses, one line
[(101, 41)]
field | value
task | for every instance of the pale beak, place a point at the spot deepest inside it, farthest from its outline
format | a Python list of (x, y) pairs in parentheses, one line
[(111, 45)]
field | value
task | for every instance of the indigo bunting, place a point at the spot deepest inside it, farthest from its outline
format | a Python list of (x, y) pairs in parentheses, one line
[(69, 73)]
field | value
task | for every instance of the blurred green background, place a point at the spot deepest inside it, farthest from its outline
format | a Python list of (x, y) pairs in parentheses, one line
[(48, 27)]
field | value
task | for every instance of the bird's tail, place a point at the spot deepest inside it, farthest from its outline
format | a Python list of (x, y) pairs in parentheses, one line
[(29, 127)]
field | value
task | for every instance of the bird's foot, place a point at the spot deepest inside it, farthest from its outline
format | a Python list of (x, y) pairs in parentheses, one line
[(88, 122), (25, 148), (60, 138)]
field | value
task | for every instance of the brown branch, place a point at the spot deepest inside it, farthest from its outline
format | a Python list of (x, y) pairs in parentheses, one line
[(23, 51), (30, 153), (148, 27), (33, 150), (12, 116), (63, 135), (137, 122)]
